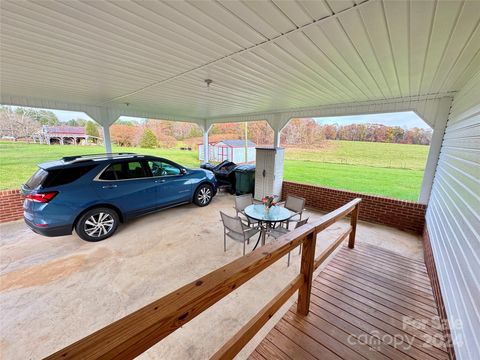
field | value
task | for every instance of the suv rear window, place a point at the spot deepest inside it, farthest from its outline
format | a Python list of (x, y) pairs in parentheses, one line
[(65, 176), (57, 177), (37, 179)]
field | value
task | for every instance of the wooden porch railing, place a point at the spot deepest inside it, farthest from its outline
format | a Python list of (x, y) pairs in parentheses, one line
[(137, 332)]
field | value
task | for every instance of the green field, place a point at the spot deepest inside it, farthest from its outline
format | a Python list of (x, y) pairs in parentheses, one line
[(393, 170)]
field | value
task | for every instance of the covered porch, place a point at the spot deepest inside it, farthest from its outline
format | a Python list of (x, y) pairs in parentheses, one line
[(234, 61)]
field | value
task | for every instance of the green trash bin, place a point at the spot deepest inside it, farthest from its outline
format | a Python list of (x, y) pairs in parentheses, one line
[(244, 179)]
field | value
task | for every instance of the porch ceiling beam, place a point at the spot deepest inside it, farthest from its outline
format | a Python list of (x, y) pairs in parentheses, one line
[(425, 106)]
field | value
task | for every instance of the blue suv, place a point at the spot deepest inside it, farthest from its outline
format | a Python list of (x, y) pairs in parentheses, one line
[(94, 193)]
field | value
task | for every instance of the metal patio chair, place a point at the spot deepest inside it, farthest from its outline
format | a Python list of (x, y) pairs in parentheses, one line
[(296, 205), (279, 231), (241, 202), (234, 228)]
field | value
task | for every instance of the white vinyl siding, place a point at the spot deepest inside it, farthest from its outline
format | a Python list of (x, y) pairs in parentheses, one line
[(453, 219)]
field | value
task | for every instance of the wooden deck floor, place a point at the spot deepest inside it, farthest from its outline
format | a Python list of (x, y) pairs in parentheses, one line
[(368, 303)]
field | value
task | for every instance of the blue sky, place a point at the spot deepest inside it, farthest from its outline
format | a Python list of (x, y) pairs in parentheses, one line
[(68, 115), (404, 119)]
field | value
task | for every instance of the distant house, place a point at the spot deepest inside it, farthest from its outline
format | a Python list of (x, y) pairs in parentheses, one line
[(231, 150), (63, 135)]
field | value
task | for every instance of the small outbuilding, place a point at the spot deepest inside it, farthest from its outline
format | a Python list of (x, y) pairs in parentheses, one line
[(63, 135), (231, 150)]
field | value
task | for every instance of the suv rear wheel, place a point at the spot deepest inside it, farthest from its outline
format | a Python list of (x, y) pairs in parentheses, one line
[(97, 224), (203, 195)]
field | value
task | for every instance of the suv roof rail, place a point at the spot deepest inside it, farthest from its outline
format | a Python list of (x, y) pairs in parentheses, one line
[(93, 156)]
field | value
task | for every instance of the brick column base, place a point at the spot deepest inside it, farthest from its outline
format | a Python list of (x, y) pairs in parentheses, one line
[(11, 205)]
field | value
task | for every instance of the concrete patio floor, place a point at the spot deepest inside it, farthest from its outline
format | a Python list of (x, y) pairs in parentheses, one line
[(54, 291)]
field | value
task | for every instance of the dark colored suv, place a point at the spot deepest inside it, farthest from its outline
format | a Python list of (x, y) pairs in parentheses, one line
[(94, 193)]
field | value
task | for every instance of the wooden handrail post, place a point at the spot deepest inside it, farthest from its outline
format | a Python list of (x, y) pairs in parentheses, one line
[(306, 269), (353, 223)]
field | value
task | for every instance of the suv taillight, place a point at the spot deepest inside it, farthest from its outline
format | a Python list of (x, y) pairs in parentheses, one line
[(43, 197)]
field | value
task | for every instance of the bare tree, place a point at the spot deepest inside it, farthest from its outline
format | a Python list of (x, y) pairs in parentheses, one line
[(17, 124)]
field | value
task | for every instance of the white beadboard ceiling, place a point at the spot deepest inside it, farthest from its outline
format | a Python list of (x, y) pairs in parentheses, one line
[(262, 55)]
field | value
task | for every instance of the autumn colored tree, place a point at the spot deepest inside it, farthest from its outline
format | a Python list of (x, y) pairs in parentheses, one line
[(166, 141), (228, 128), (160, 127), (123, 135), (299, 132), (260, 133), (398, 134), (183, 130), (330, 132)]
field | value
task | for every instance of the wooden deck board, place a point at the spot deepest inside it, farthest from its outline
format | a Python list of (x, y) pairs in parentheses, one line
[(391, 269), (384, 291), (379, 296), (382, 308), (390, 285), (362, 307)]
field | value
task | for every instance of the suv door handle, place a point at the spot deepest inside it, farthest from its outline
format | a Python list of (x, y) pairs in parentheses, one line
[(109, 187), (159, 181)]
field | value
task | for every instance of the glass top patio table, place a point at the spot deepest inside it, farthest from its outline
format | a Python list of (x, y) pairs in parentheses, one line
[(276, 213), (267, 219)]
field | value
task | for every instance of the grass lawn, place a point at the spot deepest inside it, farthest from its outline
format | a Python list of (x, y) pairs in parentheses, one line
[(18, 161), (400, 156), (396, 183), (393, 170)]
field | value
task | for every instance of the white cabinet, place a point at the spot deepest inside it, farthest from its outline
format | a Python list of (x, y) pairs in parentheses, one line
[(269, 172)]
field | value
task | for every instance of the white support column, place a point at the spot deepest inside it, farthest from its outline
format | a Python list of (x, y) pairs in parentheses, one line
[(205, 146), (105, 117), (277, 122), (276, 137), (206, 129), (439, 127), (106, 139)]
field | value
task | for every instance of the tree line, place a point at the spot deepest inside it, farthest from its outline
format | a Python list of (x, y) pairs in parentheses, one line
[(309, 131), (298, 132)]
